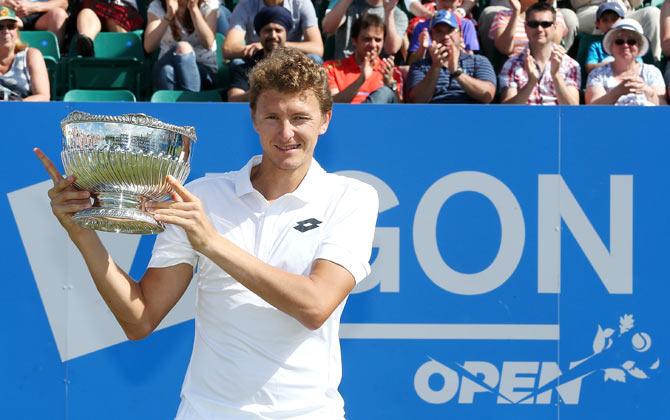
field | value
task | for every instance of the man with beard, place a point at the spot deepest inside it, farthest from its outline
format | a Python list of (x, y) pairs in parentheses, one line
[(449, 74), (271, 24), (364, 76), (543, 74)]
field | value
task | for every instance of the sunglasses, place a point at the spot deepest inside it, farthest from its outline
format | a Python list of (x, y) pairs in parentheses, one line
[(537, 23), (630, 41), (9, 26)]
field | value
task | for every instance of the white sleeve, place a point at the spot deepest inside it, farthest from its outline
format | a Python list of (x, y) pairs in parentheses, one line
[(349, 234), (171, 248), (156, 9)]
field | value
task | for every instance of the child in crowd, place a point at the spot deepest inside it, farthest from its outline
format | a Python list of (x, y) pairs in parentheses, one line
[(606, 16)]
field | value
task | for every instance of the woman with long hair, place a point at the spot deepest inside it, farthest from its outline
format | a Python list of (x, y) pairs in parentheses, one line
[(23, 73), (625, 81), (185, 32)]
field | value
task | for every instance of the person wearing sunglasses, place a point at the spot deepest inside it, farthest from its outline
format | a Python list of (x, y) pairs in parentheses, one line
[(23, 73), (625, 81), (543, 74)]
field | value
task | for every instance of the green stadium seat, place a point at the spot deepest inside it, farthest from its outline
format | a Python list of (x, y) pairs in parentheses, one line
[(223, 70), (82, 95), (47, 43), (186, 96), (118, 64)]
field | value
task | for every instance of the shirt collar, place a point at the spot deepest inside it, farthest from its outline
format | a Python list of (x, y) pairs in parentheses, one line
[(305, 192)]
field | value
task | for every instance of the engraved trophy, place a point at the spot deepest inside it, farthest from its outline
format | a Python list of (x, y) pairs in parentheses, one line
[(123, 161)]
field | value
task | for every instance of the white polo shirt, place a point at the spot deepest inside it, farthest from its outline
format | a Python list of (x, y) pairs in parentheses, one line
[(250, 360)]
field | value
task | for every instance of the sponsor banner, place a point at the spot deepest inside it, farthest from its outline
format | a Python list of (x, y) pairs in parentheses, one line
[(518, 267)]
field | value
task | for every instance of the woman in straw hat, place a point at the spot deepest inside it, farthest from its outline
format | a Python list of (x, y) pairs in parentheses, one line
[(625, 81), (23, 73)]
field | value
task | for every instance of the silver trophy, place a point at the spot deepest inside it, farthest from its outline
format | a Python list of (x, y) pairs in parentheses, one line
[(123, 161)]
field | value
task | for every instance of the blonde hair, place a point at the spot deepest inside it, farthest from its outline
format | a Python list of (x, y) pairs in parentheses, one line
[(288, 70)]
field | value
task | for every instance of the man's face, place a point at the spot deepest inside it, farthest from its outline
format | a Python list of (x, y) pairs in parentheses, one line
[(445, 35), (607, 19), (540, 28), (370, 39), (272, 36), (289, 125)]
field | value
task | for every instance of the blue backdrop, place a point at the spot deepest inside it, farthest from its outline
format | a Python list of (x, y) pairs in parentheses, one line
[(518, 267)]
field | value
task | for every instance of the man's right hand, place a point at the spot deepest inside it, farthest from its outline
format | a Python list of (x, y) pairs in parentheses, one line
[(530, 65), (66, 200), (251, 49), (367, 66), (439, 54)]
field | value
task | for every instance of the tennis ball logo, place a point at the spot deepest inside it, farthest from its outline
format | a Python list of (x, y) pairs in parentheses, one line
[(641, 342)]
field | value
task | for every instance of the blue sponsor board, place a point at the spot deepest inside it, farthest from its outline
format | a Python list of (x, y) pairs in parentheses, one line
[(518, 269)]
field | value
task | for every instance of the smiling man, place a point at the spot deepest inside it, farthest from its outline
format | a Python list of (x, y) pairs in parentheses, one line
[(278, 247)]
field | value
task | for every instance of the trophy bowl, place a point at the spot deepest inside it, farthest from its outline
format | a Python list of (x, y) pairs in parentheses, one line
[(123, 161)]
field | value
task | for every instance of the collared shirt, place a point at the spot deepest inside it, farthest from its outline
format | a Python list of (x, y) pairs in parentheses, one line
[(342, 73), (447, 89), (302, 14), (251, 360), (513, 75)]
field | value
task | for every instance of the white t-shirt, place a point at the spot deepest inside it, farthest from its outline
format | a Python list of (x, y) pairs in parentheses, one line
[(249, 359), (203, 55)]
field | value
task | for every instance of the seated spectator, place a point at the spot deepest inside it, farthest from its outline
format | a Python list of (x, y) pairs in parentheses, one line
[(243, 42), (543, 74), (184, 31), (341, 18), (448, 74), (23, 73), (272, 24), (420, 40), (648, 17), (364, 76), (665, 40), (104, 15), (625, 81), (41, 15), (606, 16), (488, 15), (508, 30)]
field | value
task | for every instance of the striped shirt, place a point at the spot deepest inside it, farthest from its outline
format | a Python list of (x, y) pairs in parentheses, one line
[(520, 40), (447, 89)]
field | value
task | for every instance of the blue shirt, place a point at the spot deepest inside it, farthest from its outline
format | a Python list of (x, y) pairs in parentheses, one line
[(447, 89)]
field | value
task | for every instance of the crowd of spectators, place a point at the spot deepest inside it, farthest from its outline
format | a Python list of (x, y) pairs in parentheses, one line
[(373, 51)]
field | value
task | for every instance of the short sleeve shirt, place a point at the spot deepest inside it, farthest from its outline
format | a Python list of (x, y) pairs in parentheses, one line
[(604, 77), (520, 40), (249, 358), (513, 75), (447, 89), (302, 14), (342, 73), (343, 46), (203, 55)]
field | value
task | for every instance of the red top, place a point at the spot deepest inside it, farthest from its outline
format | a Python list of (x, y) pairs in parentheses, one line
[(342, 73)]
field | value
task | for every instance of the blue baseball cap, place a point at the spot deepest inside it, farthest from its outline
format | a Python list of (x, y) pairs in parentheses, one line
[(444, 16), (612, 6)]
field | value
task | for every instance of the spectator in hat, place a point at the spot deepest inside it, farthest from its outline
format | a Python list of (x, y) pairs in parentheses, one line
[(23, 73), (420, 40), (364, 76), (647, 16), (448, 74), (104, 15), (625, 81), (340, 19), (272, 24), (606, 16), (242, 40), (543, 74), (41, 15), (184, 33)]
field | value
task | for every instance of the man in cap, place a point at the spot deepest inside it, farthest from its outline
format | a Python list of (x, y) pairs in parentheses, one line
[(448, 74), (271, 24), (606, 16), (243, 41), (364, 76), (543, 74)]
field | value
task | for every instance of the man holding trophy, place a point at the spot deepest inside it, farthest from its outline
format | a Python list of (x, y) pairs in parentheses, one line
[(276, 248)]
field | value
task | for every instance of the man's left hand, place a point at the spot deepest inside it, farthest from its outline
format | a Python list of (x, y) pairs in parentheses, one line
[(186, 211), (556, 59), (387, 65), (452, 58)]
